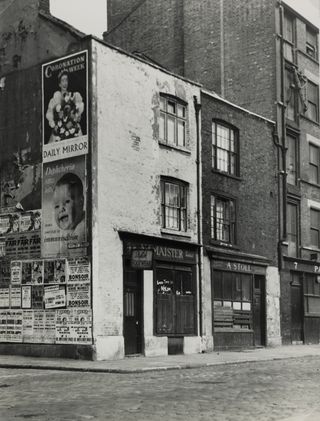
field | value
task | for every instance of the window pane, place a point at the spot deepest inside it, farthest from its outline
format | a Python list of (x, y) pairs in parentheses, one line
[(314, 214), (237, 287), (162, 129), (181, 111), (291, 160), (222, 160), (246, 287), (217, 288), (170, 129), (288, 28), (313, 174), (314, 305), (181, 133), (162, 104), (227, 285), (313, 155), (315, 238), (171, 108)]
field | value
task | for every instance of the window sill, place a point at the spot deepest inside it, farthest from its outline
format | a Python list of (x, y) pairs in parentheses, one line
[(311, 248), (180, 234), (308, 56), (231, 330), (309, 119), (225, 174), (225, 245), (174, 147), (310, 183)]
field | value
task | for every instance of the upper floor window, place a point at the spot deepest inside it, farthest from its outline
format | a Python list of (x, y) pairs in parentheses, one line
[(292, 229), (290, 94), (292, 159), (173, 114), (225, 155), (223, 219), (174, 198), (314, 164), (315, 227), (311, 42), (312, 101), (289, 35)]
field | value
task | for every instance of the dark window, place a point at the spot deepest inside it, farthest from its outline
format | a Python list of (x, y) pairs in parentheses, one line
[(223, 219), (292, 161), (225, 156), (312, 101), (292, 229), (290, 94), (314, 163), (232, 302), (175, 301), (311, 42), (311, 295), (174, 197), (289, 35), (315, 227), (172, 130)]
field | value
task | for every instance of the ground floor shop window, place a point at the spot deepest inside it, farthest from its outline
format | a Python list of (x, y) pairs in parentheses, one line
[(232, 302), (311, 295), (175, 301)]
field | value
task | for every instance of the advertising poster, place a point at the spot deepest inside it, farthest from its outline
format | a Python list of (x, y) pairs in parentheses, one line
[(65, 107), (78, 295), (60, 271), (64, 208), (81, 327), (49, 327), (16, 272), (26, 273), (5, 273), (14, 326), (79, 271), (54, 296), (25, 245), (20, 186), (4, 224), (3, 326), (4, 298), (64, 326), (37, 297), (37, 272), (26, 296), (15, 297), (2, 247), (30, 221), (49, 271), (38, 326), (27, 326)]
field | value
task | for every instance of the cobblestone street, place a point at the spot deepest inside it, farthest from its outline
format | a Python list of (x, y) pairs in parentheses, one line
[(267, 390)]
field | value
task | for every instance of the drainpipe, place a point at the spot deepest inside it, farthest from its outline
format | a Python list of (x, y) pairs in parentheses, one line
[(197, 107), (283, 129)]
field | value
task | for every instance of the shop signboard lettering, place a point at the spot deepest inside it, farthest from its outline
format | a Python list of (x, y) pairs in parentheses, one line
[(142, 259)]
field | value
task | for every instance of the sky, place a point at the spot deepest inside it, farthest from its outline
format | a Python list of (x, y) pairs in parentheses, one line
[(89, 16)]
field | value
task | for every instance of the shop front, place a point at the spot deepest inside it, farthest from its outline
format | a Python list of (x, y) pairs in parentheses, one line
[(302, 279), (238, 302), (160, 296)]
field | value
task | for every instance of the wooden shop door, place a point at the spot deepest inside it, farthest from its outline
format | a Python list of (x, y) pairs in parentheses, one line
[(296, 311), (132, 311)]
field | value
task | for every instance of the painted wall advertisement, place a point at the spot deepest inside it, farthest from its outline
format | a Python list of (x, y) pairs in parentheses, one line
[(65, 107), (64, 208)]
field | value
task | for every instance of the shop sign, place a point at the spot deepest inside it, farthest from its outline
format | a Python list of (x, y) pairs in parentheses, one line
[(302, 267), (142, 259), (238, 267)]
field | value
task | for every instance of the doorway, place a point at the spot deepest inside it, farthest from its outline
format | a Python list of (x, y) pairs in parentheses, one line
[(133, 311), (296, 309), (259, 321)]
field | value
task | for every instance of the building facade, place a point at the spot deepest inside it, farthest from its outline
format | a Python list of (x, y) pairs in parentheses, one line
[(263, 56), (100, 196)]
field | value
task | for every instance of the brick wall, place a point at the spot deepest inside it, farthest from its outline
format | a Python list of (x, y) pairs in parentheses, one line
[(117, 10), (255, 191), (155, 29)]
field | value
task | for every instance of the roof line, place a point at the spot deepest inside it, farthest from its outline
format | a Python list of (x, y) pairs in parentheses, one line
[(63, 24), (219, 98), (126, 53)]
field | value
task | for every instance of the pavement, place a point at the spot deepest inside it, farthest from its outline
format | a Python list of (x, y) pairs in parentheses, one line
[(139, 364)]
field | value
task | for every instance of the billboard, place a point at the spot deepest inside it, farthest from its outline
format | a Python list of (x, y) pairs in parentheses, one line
[(65, 107), (64, 208)]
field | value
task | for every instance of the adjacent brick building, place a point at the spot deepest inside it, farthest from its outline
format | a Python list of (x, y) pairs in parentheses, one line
[(263, 56)]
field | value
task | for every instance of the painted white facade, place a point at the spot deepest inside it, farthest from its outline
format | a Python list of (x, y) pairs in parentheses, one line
[(127, 164)]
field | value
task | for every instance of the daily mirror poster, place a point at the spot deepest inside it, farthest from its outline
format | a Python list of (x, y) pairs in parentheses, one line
[(65, 107), (64, 208)]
